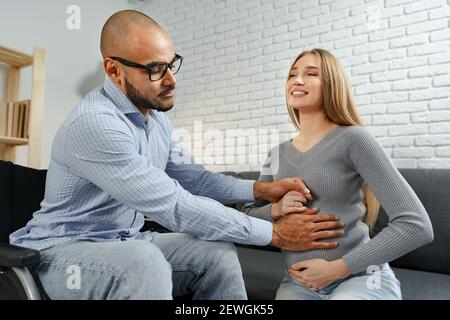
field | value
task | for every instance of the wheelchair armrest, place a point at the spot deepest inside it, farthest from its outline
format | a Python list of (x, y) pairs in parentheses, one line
[(14, 256)]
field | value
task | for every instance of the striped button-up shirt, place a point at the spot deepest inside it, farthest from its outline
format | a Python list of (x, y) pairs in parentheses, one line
[(110, 167)]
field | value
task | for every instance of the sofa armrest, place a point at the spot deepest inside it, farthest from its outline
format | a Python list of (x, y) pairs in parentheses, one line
[(14, 256)]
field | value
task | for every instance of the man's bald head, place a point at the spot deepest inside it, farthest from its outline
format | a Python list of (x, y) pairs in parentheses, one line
[(116, 28)]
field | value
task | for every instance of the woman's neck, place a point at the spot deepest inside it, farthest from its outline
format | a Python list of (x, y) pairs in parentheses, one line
[(313, 124)]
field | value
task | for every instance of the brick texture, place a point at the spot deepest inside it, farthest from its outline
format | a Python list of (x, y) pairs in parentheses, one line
[(237, 54)]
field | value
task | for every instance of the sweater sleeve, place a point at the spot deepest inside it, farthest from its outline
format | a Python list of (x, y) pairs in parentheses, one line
[(409, 225), (261, 208)]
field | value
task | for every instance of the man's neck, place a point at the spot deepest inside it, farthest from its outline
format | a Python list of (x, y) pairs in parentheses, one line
[(145, 112)]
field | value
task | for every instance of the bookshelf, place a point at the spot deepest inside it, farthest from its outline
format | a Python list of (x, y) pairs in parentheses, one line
[(32, 131)]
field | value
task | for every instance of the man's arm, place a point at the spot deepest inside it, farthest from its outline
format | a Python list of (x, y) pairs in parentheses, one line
[(225, 189), (270, 190), (198, 181), (261, 208), (101, 149)]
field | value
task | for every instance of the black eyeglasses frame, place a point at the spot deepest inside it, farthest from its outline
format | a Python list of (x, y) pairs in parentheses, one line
[(150, 66)]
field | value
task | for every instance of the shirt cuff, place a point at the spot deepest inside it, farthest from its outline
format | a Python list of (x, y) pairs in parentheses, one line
[(261, 232), (243, 191)]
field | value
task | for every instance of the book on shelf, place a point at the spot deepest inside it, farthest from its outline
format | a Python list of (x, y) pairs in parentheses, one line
[(26, 120), (21, 120), (9, 125), (3, 117), (16, 108), (14, 119)]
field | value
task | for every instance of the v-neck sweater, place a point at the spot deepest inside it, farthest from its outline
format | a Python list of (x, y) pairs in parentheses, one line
[(335, 170)]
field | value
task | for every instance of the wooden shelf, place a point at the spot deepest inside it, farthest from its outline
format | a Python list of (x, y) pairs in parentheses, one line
[(14, 141), (15, 58)]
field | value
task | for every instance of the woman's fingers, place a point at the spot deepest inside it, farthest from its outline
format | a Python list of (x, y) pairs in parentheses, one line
[(296, 208), (295, 196)]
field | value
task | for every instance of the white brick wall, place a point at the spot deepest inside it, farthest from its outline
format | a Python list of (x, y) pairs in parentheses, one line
[(237, 54)]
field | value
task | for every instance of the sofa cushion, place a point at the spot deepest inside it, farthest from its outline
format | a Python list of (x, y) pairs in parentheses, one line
[(422, 285), (263, 271)]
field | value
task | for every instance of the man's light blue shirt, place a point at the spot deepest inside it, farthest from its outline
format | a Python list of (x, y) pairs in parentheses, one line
[(110, 167)]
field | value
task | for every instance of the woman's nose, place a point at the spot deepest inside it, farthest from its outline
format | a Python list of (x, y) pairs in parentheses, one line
[(299, 80)]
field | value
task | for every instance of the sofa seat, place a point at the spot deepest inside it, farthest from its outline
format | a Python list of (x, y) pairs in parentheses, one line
[(423, 285)]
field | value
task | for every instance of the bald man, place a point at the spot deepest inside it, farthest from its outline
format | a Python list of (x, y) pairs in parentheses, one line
[(116, 159)]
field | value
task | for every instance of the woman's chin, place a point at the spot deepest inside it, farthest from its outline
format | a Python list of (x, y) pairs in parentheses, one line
[(300, 107), (306, 108)]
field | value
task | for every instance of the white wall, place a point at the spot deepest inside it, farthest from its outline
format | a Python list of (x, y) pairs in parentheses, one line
[(237, 54), (73, 56)]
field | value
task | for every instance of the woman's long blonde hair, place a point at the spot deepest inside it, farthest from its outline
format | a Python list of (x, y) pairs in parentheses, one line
[(339, 109)]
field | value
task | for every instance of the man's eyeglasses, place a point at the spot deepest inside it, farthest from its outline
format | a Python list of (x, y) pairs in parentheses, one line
[(156, 70)]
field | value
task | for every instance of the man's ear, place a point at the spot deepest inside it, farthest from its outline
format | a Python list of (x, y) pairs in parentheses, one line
[(113, 71)]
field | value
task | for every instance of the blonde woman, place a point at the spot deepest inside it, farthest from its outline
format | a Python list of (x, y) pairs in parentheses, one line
[(343, 166)]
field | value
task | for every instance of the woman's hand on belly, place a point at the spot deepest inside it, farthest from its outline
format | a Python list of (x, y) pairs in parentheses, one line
[(316, 274), (291, 202)]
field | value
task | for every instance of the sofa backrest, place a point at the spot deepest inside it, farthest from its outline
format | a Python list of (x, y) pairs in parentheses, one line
[(21, 192), (432, 186)]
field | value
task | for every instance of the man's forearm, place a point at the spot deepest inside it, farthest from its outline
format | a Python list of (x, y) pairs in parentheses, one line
[(226, 189), (273, 191), (260, 189)]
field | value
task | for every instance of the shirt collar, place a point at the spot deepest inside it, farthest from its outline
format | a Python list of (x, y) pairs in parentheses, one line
[(124, 104), (120, 100)]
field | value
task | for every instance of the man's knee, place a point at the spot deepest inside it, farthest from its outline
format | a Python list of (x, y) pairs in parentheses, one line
[(143, 256), (224, 261), (222, 252), (146, 270)]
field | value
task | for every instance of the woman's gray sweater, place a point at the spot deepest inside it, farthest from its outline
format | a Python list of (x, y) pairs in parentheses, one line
[(335, 170)]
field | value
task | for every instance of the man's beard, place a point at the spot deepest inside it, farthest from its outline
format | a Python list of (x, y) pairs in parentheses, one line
[(141, 101)]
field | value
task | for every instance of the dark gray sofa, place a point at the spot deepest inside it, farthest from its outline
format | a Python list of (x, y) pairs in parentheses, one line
[(423, 273)]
